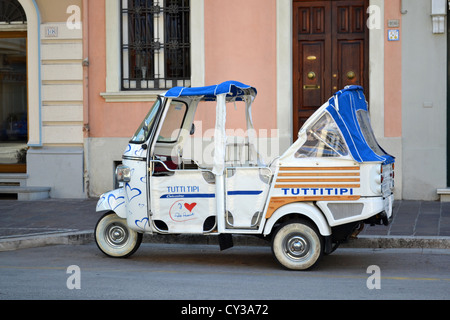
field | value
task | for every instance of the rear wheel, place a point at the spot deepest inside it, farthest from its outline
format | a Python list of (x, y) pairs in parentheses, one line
[(297, 245), (114, 238)]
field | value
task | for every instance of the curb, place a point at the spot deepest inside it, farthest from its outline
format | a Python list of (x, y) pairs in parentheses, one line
[(373, 242), (66, 238), (85, 237), (388, 242)]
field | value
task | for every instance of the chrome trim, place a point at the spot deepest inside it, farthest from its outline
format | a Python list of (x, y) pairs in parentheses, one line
[(134, 158)]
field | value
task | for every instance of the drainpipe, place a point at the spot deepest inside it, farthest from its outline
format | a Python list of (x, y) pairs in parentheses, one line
[(86, 104), (402, 9)]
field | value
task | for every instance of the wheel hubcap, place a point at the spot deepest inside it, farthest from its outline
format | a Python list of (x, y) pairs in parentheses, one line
[(116, 235), (296, 247)]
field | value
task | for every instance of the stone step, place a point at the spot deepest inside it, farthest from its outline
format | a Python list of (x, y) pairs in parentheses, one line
[(26, 193), (8, 179), (444, 194)]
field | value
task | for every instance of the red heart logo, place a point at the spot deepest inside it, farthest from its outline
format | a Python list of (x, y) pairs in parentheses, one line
[(190, 206)]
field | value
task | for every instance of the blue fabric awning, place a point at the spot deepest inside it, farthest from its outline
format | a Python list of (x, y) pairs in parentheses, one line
[(351, 115), (235, 91)]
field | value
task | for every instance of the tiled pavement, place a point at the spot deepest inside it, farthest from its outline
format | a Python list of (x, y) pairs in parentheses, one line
[(50, 216), (416, 218)]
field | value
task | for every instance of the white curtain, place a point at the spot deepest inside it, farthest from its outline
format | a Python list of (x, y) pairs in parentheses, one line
[(220, 138), (251, 133)]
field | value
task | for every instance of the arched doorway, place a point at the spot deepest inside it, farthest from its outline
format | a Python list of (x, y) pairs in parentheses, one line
[(13, 87)]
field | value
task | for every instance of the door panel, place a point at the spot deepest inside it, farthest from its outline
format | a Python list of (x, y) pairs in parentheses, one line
[(312, 42), (349, 61), (245, 196), (183, 201), (312, 74), (330, 51), (349, 44)]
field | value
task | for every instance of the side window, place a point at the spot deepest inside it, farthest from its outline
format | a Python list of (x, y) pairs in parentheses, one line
[(173, 122), (323, 139), (366, 128)]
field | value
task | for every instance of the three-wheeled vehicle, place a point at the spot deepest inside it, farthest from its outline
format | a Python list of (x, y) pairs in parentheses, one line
[(330, 182)]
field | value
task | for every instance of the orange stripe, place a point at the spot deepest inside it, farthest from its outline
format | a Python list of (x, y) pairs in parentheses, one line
[(277, 202), (318, 174), (317, 186), (316, 168), (319, 180)]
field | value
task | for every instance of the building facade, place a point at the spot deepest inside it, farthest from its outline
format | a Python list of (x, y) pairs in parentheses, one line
[(52, 96), (95, 67)]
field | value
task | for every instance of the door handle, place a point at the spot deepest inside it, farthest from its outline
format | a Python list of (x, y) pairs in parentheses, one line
[(351, 75), (311, 87), (311, 75)]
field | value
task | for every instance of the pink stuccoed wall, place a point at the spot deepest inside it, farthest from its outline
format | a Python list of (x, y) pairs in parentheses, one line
[(240, 44), (392, 74), (116, 119)]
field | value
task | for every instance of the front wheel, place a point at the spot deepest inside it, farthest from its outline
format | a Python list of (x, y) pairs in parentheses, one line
[(114, 238), (297, 245)]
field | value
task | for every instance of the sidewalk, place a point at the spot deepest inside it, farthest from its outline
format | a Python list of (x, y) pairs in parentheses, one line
[(418, 224)]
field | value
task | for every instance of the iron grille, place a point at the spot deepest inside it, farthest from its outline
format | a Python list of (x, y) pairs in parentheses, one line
[(11, 11), (155, 44)]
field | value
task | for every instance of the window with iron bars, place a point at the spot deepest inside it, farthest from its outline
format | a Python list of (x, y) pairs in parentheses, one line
[(155, 42), (11, 12)]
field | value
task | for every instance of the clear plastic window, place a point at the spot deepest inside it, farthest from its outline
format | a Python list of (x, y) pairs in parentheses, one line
[(143, 132), (323, 139), (173, 122), (364, 123)]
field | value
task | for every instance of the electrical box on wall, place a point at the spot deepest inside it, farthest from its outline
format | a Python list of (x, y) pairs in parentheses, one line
[(393, 23)]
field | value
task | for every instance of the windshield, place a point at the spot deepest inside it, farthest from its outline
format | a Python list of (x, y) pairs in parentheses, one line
[(173, 122), (366, 128), (142, 134)]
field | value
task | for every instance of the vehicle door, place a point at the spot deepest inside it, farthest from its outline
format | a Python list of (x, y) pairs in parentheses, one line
[(182, 197)]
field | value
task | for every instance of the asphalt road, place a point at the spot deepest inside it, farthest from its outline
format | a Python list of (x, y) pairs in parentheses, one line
[(202, 272)]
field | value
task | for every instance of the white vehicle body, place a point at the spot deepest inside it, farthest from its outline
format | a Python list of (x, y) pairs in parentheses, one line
[(330, 182)]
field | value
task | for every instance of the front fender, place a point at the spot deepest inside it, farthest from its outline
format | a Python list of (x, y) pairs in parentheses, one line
[(302, 209), (113, 201)]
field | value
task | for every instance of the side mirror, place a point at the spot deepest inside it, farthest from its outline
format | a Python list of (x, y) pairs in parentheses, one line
[(192, 131)]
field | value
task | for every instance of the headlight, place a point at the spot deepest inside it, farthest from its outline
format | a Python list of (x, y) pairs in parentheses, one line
[(123, 173)]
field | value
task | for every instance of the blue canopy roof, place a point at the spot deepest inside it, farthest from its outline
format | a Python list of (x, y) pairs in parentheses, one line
[(354, 124), (235, 91)]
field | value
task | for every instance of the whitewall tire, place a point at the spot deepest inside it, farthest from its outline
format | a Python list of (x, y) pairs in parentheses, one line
[(114, 238), (297, 245)]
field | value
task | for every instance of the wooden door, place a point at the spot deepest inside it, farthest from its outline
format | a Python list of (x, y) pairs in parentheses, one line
[(330, 51)]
